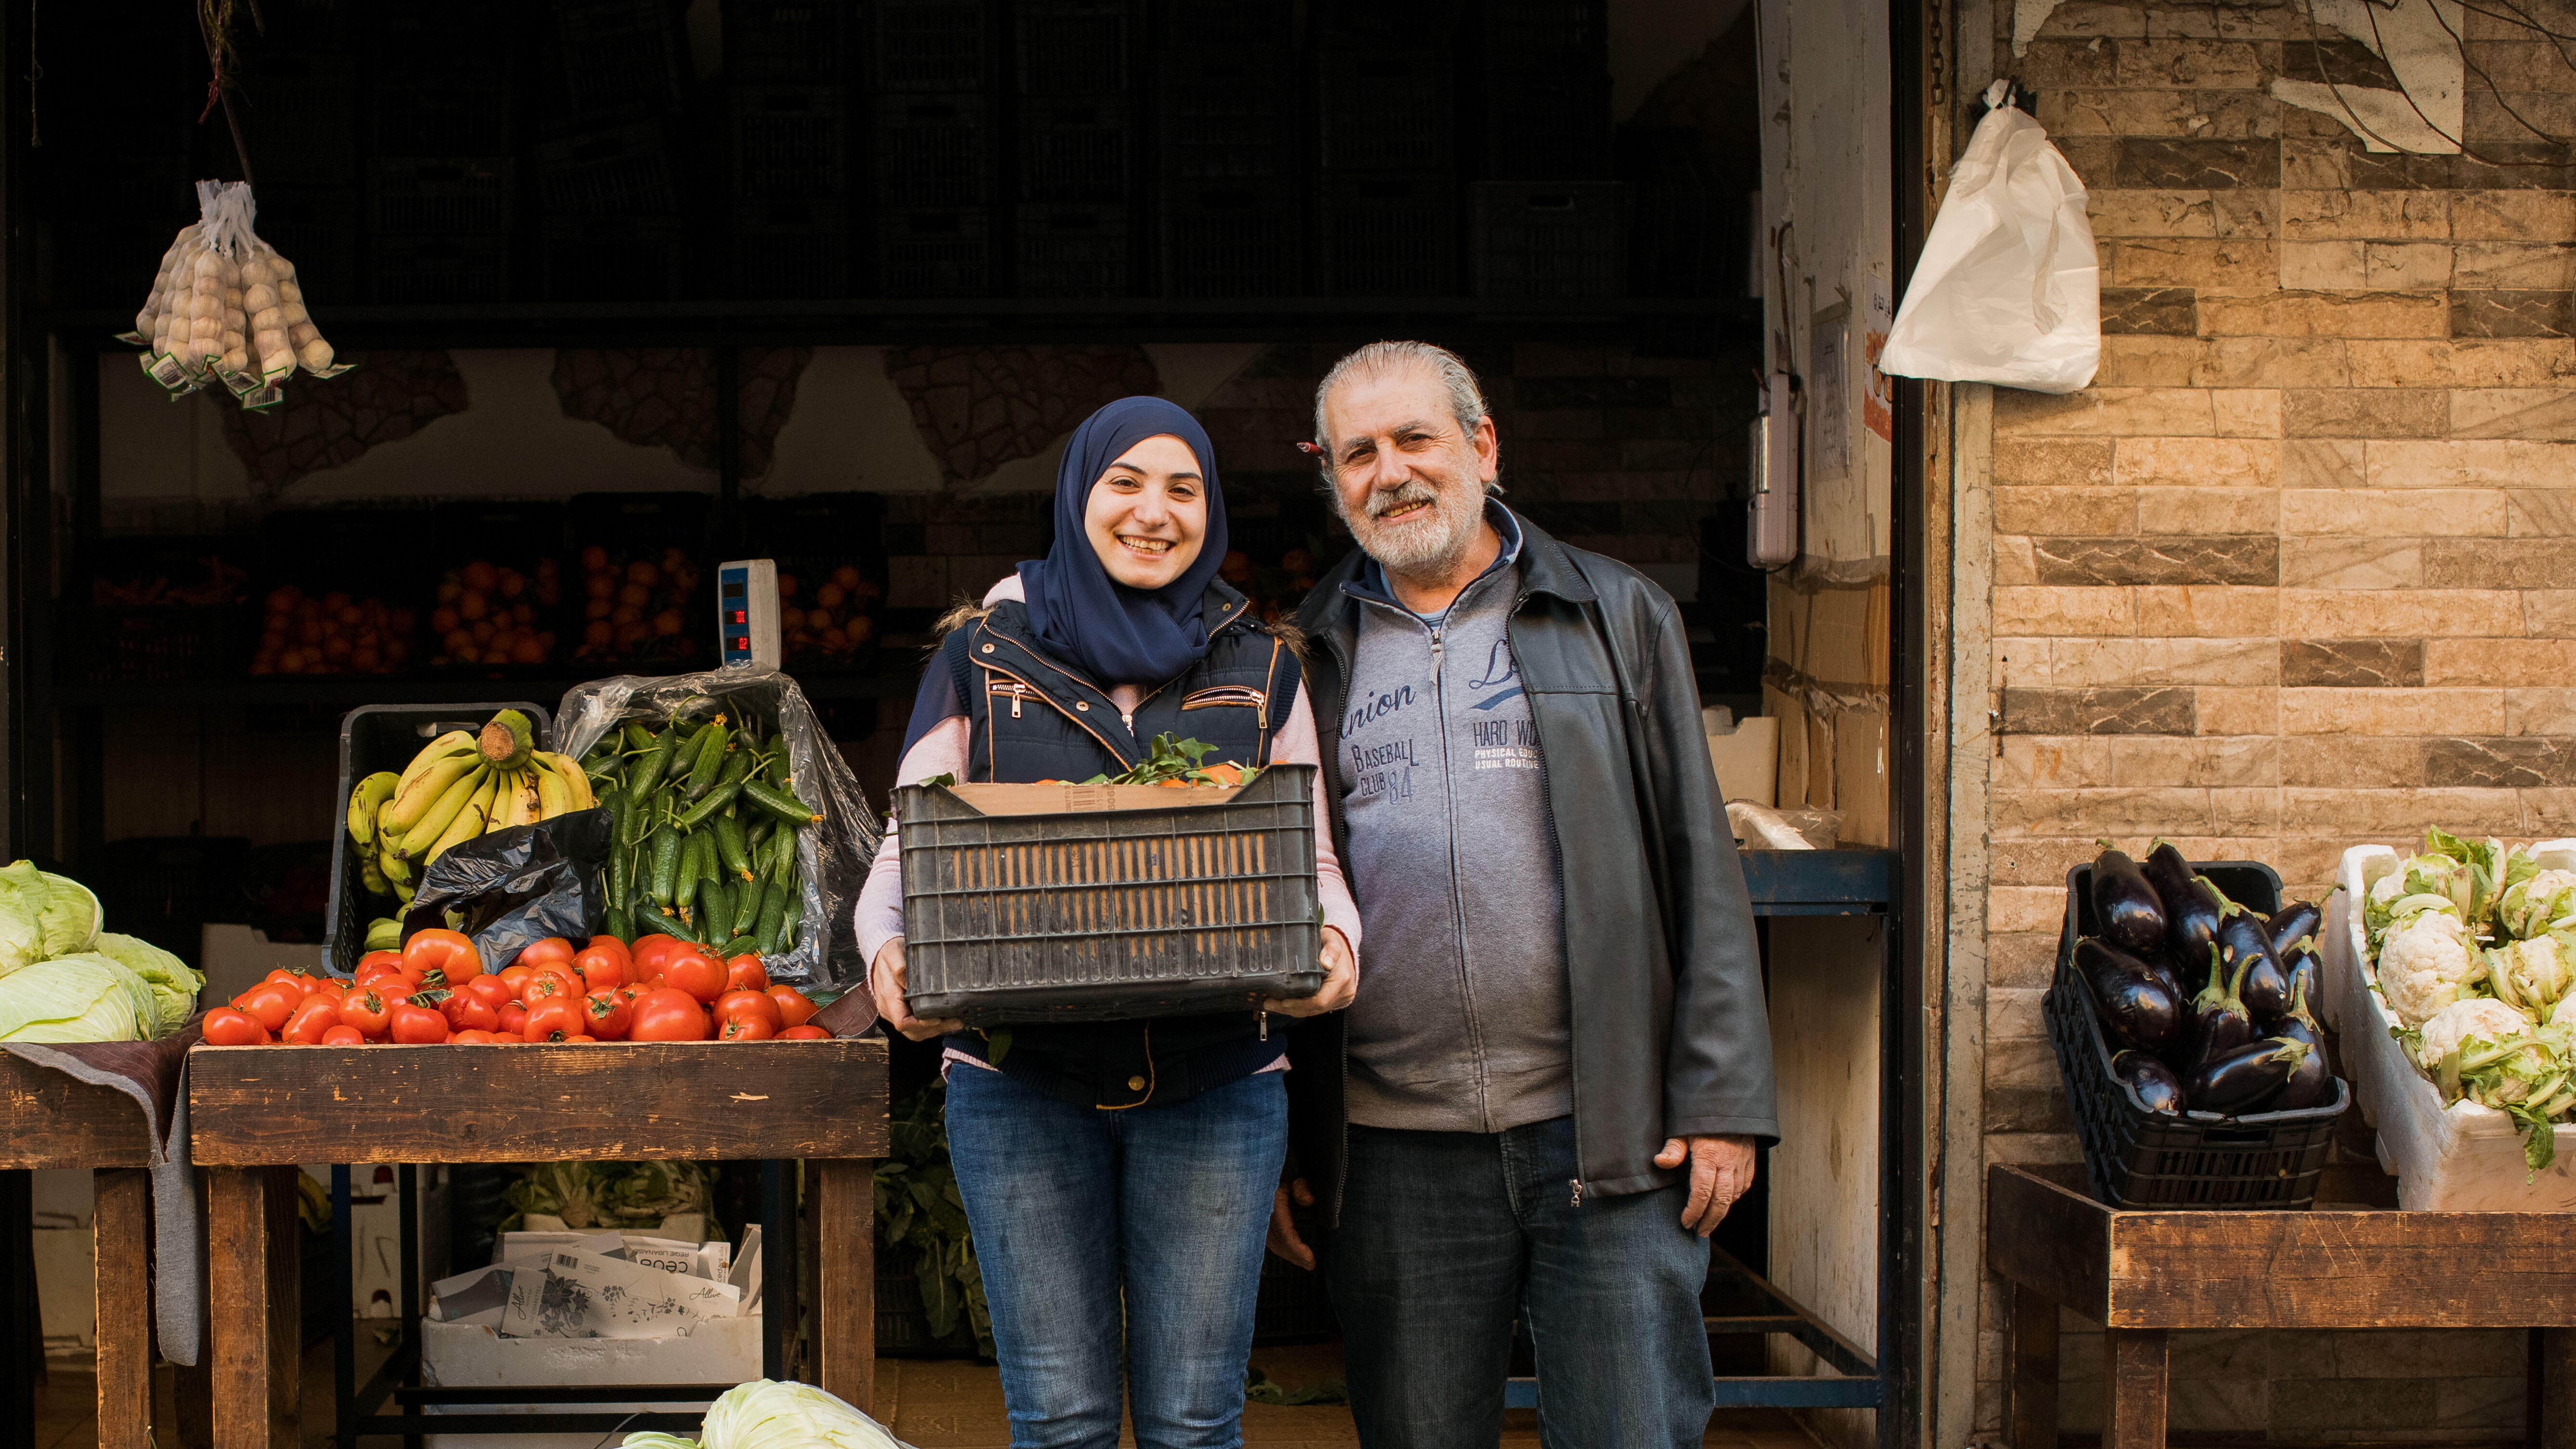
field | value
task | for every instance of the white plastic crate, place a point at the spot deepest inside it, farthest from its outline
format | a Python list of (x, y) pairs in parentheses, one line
[(2460, 1158)]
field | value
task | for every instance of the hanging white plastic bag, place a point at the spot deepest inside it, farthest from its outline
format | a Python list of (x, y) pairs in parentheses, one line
[(2008, 289)]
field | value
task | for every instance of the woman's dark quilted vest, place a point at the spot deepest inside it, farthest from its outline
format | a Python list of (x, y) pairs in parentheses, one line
[(1033, 717)]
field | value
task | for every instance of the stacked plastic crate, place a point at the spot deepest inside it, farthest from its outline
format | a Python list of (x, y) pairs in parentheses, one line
[(1545, 217), (793, 66), (118, 179), (1386, 148), (1229, 111), (296, 103), (934, 152), (608, 193), (441, 99), (1074, 162)]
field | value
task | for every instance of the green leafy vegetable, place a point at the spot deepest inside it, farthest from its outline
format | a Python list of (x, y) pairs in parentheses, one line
[(75, 998), (920, 1212), (174, 985)]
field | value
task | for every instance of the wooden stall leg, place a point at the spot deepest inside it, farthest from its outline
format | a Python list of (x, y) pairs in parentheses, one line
[(120, 1234), (252, 1306), (845, 1317), (2032, 1408), (2553, 1363), (2133, 1388)]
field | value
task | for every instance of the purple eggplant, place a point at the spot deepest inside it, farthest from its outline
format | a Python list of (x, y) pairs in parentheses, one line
[(2246, 1079), (2131, 998), (2193, 907), (2312, 1081), (2241, 937), (2126, 909), (2154, 1083), (2220, 1024), (2300, 970), (2296, 921)]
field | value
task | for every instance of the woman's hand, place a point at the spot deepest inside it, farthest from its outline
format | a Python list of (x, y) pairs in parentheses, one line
[(1341, 982), (886, 982)]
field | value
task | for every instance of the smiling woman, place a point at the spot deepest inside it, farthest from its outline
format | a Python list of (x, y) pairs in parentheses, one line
[(1147, 514)]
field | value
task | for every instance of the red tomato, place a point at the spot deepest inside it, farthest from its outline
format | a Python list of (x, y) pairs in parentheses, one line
[(750, 1028), (395, 992), (492, 991), (651, 951), (745, 973), (553, 1020), (669, 1014), (581, 1041), (600, 970), (466, 1011), (611, 943), (317, 1015), (804, 1033), (418, 1025), (516, 977), (794, 1008), (606, 1015), (696, 973), (552, 951), (225, 1026), (472, 1036), (367, 1013), (377, 958), (343, 1036), (302, 982), (549, 984), (450, 952), (330, 986), (736, 1006), (514, 1021), (270, 1004)]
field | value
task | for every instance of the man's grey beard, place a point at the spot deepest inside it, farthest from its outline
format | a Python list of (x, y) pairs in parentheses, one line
[(1425, 545)]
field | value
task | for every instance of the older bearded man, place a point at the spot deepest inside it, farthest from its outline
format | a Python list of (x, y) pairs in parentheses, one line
[(1549, 1090)]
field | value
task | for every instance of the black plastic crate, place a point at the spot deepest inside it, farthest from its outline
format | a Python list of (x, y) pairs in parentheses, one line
[(315, 561), (935, 252), (1074, 251), (1387, 236), (315, 227), (789, 250), (474, 550), (440, 269), (295, 108), (1386, 110), (791, 42), (934, 151), (831, 557), (444, 79), (932, 45), (165, 888), (791, 143), (2135, 1158), (1549, 239), (118, 644), (1110, 915), (1234, 118), (636, 261), (612, 173), (1071, 47), (1077, 149), (1233, 240), (670, 534), (419, 197), (1562, 31), (903, 1325), (385, 737), (1541, 122), (623, 57), (1292, 1305)]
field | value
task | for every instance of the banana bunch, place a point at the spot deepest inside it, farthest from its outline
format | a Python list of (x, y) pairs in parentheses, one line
[(461, 785)]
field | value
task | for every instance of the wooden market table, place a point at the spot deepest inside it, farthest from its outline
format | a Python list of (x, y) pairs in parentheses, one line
[(2144, 1274), (256, 1112), (50, 1120)]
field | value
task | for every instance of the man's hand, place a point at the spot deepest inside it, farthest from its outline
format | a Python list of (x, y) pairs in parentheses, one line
[(1341, 983), (1283, 1229), (886, 981), (1721, 1170)]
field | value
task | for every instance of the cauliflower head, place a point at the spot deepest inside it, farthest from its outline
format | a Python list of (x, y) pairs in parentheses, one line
[(2480, 1017), (2532, 906), (2532, 974), (2425, 964)]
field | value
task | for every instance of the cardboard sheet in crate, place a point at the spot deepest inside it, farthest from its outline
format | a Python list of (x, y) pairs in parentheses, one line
[(1108, 902)]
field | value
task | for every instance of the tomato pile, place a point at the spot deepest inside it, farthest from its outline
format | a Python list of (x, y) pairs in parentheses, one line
[(436, 990)]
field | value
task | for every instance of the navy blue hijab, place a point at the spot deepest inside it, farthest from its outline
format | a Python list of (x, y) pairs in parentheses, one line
[(1082, 616)]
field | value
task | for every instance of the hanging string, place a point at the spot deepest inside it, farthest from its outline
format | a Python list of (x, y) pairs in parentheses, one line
[(215, 20)]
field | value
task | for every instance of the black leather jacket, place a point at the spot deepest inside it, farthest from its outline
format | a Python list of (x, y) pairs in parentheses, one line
[(1671, 1035)]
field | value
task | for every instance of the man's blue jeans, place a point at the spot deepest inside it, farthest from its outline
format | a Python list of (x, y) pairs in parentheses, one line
[(1445, 1236), (1069, 1205)]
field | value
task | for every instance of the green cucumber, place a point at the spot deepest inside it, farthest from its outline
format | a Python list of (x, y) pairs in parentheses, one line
[(705, 810), (715, 909), (794, 918), (666, 868), (773, 916), (653, 764), (746, 908), (617, 925), (779, 802), (708, 760), (734, 847)]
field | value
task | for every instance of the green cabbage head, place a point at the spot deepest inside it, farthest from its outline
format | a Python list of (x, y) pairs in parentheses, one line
[(65, 910), (75, 998), (174, 985)]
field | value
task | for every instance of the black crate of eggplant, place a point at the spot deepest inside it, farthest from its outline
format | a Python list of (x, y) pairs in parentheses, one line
[(2183, 1018)]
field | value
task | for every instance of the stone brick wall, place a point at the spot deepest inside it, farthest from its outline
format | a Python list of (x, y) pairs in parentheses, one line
[(2294, 573)]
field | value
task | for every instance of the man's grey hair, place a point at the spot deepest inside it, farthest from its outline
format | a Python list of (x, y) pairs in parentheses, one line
[(1457, 379)]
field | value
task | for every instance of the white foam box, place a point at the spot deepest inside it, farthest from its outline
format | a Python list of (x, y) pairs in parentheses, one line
[(456, 1356), (2459, 1158)]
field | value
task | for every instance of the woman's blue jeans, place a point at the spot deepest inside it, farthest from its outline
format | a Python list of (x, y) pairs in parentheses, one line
[(1071, 1205)]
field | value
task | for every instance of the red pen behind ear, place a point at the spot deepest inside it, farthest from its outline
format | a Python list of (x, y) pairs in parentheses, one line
[(1311, 450)]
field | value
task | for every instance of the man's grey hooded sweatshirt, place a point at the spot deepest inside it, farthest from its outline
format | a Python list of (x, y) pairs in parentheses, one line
[(1462, 1023)]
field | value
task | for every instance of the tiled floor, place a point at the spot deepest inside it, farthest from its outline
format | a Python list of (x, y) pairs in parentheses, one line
[(947, 1405)]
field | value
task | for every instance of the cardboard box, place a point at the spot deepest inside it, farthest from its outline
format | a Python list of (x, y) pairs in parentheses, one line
[(1746, 756), (720, 1351)]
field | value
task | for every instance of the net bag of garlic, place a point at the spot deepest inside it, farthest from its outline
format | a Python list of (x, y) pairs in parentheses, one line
[(227, 309)]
